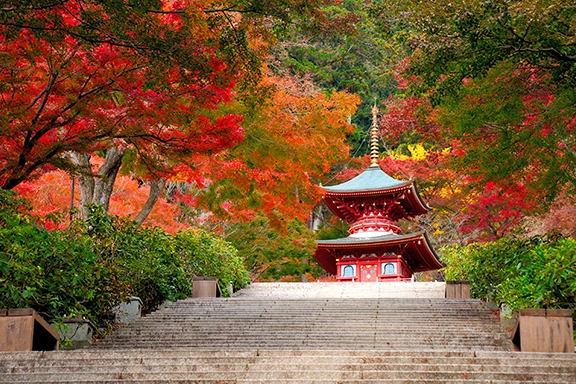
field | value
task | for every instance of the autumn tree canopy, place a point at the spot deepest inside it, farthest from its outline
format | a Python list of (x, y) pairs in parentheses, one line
[(139, 82), (501, 76), (84, 76)]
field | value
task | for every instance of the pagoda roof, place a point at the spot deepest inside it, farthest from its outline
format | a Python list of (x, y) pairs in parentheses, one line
[(415, 247), (370, 186), (372, 179)]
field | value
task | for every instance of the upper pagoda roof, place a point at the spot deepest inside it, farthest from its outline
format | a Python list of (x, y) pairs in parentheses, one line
[(372, 179), (371, 186)]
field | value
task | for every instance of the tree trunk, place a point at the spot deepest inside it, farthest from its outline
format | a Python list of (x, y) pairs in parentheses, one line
[(156, 189), (85, 179), (96, 189), (106, 177)]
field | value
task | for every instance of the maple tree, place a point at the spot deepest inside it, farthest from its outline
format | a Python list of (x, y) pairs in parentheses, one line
[(467, 204), (67, 94), (501, 79), (140, 83), (292, 141)]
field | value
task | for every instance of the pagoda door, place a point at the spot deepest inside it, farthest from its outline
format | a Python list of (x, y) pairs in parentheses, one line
[(369, 273)]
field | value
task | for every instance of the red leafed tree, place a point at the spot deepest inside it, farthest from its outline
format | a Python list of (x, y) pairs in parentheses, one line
[(409, 119), (289, 146), (291, 143), (50, 197), (140, 83), (84, 76), (498, 209)]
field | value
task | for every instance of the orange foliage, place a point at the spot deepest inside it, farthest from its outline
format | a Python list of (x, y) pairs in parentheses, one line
[(290, 145), (50, 195)]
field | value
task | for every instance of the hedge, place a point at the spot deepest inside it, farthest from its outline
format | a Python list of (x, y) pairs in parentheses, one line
[(92, 266)]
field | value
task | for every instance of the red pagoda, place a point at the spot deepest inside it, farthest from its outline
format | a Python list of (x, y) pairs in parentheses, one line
[(376, 250)]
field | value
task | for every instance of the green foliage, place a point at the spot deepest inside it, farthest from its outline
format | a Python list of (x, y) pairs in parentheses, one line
[(501, 74), (333, 229), (207, 255), (357, 61), (94, 265), (513, 128), (467, 38), (270, 255), (12, 208), (56, 273), (526, 273)]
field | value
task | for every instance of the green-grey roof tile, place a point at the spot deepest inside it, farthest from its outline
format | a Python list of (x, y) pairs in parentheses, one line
[(373, 178)]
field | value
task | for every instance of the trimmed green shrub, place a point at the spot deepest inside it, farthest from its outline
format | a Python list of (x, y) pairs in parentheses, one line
[(524, 273), (56, 273), (95, 264)]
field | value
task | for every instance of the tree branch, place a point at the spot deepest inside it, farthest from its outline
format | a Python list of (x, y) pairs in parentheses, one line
[(156, 189)]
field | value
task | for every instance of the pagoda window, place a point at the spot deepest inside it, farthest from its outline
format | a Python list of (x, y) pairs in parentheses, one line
[(389, 269), (348, 271)]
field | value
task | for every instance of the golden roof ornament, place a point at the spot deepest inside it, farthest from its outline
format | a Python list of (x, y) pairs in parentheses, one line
[(374, 149)]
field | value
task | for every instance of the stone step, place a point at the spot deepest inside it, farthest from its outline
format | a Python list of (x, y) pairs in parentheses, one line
[(321, 337), (299, 381), (310, 366), (375, 356), (339, 290), (293, 347), (303, 333), (313, 323), (496, 346), (408, 302), (234, 364), (326, 334), (330, 316), (107, 366), (303, 376)]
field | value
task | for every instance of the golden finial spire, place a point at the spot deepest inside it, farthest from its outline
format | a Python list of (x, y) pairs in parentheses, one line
[(374, 149)]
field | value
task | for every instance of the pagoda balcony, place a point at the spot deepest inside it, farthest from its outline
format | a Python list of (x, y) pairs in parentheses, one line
[(374, 224)]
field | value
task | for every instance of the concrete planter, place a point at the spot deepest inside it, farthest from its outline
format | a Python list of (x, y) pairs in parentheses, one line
[(205, 287), (457, 290), (544, 330), (127, 313), (75, 333)]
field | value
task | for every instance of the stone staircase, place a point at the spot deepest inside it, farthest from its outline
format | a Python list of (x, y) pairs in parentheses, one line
[(304, 333)]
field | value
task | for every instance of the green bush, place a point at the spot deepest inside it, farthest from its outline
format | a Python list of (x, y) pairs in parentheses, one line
[(271, 255), (158, 266), (56, 273), (94, 265), (525, 273), (204, 254)]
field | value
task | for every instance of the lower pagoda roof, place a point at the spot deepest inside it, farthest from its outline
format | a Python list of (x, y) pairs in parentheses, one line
[(415, 248)]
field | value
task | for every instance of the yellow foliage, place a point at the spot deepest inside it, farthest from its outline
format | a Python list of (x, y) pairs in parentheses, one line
[(417, 152)]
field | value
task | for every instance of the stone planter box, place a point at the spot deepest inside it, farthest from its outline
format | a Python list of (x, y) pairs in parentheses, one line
[(127, 313), (205, 287), (457, 290), (24, 330), (544, 330), (75, 333)]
